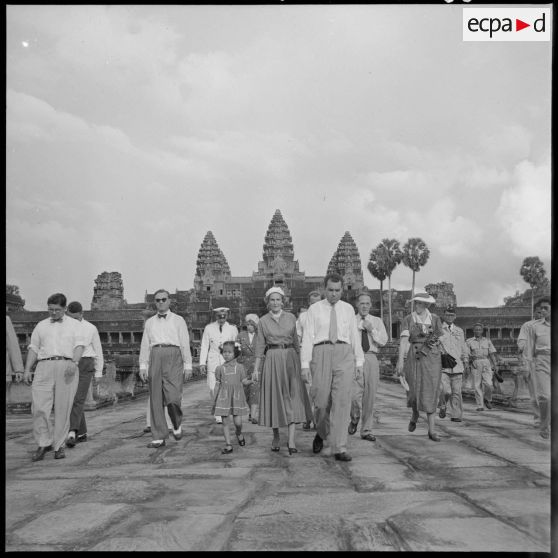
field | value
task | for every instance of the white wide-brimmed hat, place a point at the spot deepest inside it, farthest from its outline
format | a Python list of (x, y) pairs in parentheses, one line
[(274, 290), (424, 297)]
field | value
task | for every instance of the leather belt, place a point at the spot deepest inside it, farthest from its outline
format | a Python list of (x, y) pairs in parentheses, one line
[(55, 358), (86, 357), (279, 346), (165, 345), (330, 343), (479, 358)]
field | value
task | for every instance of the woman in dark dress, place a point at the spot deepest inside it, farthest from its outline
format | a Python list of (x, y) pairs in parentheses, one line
[(420, 361), (247, 340), (283, 397)]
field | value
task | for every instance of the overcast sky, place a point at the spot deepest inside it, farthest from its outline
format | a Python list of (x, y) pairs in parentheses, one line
[(133, 130)]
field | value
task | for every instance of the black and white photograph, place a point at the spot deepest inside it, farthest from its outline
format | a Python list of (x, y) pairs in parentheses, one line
[(278, 277)]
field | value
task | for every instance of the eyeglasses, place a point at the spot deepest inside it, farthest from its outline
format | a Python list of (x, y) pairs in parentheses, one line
[(161, 299)]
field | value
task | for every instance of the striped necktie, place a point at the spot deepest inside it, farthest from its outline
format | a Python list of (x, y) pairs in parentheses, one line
[(333, 325)]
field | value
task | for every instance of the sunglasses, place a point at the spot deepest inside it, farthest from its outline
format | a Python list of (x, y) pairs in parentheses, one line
[(161, 300)]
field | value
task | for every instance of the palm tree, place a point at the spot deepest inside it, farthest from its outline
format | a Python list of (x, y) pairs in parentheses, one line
[(533, 272), (415, 256), (391, 255), (377, 268)]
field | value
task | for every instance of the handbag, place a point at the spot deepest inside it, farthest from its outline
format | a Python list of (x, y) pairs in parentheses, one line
[(448, 361)]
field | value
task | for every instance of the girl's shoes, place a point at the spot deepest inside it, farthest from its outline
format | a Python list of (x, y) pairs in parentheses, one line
[(241, 442), (291, 450), (434, 437), (275, 444), (227, 449)]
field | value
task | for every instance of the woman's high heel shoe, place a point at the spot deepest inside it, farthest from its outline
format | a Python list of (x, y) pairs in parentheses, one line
[(291, 450), (241, 442), (275, 445), (434, 437)]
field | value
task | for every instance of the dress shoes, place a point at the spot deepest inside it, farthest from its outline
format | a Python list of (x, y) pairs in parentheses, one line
[(227, 449), (156, 444), (177, 434), (317, 444), (59, 453), (40, 453), (480, 409), (343, 457), (412, 426), (81, 438), (456, 420), (487, 404), (545, 434), (434, 437), (71, 440), (147, 429), (442, 413), (307, 425), (353, 427), (370, 437)]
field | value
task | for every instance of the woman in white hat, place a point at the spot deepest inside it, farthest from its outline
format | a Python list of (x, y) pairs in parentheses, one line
[(283, 397), (247, 340), (420, 361)]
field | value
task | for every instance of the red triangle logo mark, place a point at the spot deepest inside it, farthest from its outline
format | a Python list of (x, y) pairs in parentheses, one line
[(519, 25)]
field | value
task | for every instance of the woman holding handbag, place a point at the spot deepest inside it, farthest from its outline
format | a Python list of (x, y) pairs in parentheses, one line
[(420, 361)]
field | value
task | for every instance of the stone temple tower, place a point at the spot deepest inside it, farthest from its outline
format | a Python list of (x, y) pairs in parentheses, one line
[(278, 265), (212, 268), (108, 293), (346, 262)]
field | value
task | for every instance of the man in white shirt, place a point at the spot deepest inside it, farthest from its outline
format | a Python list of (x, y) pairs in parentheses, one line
[(57, 344), (373, 335), (526, 368), (165, 360), (537, 353), (91, 363), (313, 296), (330, 347), (214, 335), (453, 341)]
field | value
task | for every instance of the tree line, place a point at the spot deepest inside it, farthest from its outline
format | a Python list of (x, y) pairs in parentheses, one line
[(415, 253)]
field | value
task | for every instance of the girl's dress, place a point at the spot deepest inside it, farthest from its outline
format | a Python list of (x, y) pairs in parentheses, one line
[(230, 399), (247, 358), (423, 366), (283, 395)]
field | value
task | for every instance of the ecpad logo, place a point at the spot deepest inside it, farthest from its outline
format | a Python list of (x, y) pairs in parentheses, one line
[(506, 24)]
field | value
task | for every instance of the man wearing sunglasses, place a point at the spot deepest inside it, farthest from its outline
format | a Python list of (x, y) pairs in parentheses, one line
[(214, 335), (165, 362)]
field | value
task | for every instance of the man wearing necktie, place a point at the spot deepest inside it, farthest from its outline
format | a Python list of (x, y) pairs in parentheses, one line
[(165, 361), (214, 335), (453, 341), (57, 345), (331, 347), (373, 335)]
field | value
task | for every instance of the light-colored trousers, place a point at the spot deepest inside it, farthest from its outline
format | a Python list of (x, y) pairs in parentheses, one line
[(214, 359), (451, 393), (482, 380), (543, 388), (332, 368), (364, 394), (55, 381)]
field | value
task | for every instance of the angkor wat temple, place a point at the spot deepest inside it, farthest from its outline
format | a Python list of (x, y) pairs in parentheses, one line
[(120, 324)]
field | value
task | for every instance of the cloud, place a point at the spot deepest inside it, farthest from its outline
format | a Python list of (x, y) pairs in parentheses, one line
[(524, 212)]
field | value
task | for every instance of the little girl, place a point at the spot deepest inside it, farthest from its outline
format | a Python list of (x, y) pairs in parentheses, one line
[(230, 398)]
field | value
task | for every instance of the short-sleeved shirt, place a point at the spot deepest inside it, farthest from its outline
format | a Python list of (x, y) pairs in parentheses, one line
[(58, 338), (480, 348)]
